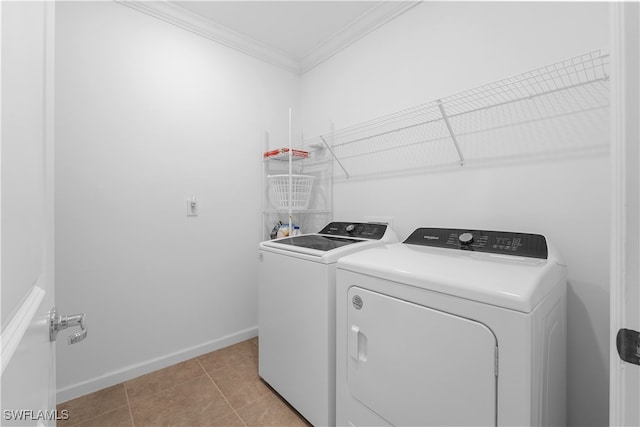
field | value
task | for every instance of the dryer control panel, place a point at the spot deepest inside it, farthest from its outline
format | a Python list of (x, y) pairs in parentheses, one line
[(361, 230), (498, 242)]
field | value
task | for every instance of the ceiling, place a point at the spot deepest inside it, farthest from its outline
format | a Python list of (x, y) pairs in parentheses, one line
[(294, 27), (296, 35)]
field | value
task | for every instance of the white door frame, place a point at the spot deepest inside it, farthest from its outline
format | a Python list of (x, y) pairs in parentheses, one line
[(624, 385)]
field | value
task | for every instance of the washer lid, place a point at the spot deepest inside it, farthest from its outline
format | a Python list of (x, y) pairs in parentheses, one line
[(337, 239), (325, 256), (317, 242), (512, 282)]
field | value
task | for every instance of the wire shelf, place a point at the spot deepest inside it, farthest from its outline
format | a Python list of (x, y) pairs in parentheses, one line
[(560, 107)]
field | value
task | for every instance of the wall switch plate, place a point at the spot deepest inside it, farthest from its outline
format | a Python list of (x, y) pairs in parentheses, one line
[(192, 206)]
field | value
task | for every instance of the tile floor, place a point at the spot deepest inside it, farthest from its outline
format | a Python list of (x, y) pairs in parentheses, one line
[(221, 388)]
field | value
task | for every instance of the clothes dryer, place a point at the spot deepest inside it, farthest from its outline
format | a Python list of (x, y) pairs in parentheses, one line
[(452, 327), (296, 310)]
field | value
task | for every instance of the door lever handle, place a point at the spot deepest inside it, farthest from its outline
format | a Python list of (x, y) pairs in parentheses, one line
[(58, 323)]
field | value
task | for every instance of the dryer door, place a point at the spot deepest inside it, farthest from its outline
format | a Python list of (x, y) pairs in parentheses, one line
[(413, 365)]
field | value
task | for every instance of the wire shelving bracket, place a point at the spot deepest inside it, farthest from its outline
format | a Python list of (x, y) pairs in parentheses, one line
[(328, 147), (451, 132)]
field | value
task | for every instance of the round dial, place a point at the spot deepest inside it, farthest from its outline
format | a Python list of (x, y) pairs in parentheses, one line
[(350, 228), (466, 238)]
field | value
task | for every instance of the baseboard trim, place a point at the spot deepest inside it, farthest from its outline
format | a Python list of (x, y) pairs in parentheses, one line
[(133, 371)]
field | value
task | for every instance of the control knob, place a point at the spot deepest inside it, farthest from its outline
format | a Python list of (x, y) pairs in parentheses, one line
[(465, 238), (350, 228)]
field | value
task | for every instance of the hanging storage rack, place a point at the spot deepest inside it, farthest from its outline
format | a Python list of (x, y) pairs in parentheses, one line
[(297, 186), (498, 120)]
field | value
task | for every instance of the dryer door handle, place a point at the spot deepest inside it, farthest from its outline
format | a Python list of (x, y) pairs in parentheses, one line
[(357, 344), (353, 341)]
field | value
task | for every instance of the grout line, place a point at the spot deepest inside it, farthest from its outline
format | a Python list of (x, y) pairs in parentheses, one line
[(264, 396), (222, 394), (97, 416), (254, 342), (172, 385), (266, 393), (126, 393), (205, 372), (101, 413)]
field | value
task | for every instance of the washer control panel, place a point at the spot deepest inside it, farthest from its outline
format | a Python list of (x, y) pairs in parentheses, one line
[(498, 242), (355, 229)]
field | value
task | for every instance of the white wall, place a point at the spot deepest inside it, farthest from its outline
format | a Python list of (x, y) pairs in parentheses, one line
[(147, 115), (440, 48)]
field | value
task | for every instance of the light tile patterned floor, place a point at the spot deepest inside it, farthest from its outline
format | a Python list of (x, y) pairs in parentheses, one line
[(221, 388)]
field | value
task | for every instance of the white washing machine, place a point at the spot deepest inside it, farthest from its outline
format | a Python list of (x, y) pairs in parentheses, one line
[(296, 308), (452, 327)]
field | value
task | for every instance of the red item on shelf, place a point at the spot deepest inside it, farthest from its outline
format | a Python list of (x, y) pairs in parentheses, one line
[(284, 152)]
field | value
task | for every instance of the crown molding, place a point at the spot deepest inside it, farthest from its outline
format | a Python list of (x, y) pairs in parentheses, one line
[(196, 24), (361, 26), (356, 29)]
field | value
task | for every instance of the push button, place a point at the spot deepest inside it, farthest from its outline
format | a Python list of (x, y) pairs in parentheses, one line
[(465, 238)]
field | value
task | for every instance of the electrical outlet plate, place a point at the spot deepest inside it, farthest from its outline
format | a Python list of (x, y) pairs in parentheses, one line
[(192, 207)]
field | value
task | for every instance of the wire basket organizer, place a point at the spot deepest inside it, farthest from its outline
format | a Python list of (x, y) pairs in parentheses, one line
[(300, 190)]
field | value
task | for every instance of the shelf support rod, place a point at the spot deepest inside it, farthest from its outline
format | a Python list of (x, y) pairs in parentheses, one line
[(290, 178), (334, 156), (451, 132)]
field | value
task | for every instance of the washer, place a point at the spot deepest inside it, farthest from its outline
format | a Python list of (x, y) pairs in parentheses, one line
[(297, 279), (452, 327)]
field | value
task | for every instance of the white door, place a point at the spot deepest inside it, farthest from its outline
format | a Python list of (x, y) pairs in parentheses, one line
[(624, 409), (416, 366), (27, 394)]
